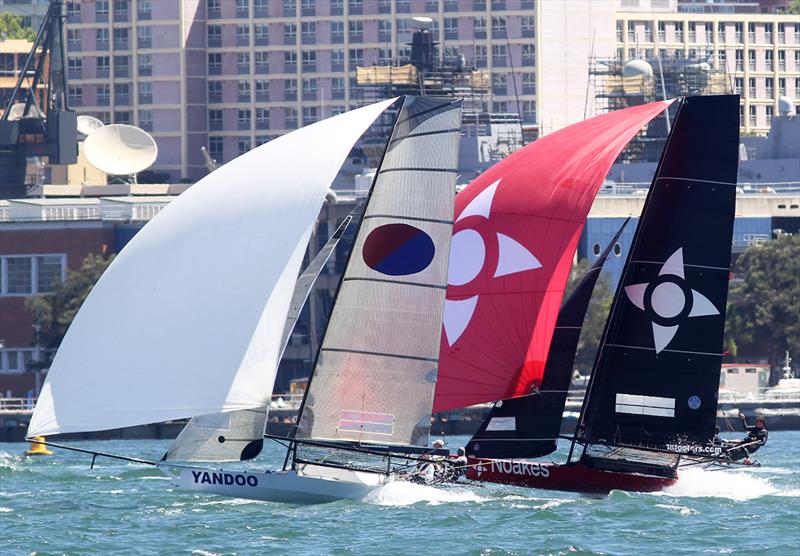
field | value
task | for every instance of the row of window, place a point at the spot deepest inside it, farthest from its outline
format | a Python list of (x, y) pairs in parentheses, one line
[(757, 60), (102, 9), (16, 360), (261, 8), (31, 274), (144, 38), (705, 31)]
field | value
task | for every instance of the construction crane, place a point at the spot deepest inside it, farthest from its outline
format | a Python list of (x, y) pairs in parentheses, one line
[(36, 120)]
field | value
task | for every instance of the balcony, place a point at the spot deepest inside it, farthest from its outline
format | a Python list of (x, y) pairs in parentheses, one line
[(146, 98), (243, 125), (144, 42), (242, 40), (101, 44), (215, 69), (121, 44)]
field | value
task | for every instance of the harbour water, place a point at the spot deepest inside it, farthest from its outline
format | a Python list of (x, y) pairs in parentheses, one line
[(58, 505)]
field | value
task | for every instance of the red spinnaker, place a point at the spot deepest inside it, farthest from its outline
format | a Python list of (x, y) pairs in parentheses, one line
[(516, 231)]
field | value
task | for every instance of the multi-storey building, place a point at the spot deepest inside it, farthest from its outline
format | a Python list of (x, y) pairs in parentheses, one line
[(759, 52), (231, 74)]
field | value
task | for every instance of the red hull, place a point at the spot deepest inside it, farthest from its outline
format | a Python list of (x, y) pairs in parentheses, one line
[(573, 477)]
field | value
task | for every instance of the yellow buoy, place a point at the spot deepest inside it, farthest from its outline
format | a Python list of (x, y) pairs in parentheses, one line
[(38, 449)]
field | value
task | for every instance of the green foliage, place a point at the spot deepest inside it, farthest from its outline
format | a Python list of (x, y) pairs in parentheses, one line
[(596, 315), (764, 308), (54, 312), (794, 8), (11, 28)]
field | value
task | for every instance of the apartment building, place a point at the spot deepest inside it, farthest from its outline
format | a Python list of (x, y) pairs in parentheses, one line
[(232, 74), (759, 52)]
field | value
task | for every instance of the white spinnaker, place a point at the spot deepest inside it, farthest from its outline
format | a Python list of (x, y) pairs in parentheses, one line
[(187, 320)]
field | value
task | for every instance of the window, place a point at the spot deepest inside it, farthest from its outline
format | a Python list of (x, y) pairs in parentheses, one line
[(122, 93), (678, 31), (261, 8), (289, 7), (144, 37), (215, 63), (101, 39), (146, 120), (751, 60), (336, 7), (262, 118), (528, 26), (309, 89), (309, 60), (308, 7), (214, 35), (290, 89), (739, 60), (73, 39), (355, 6), (289, 33), (738, 85), (620, 31), (529, 111), (262, 62), (662, 31), (243, 90), (213, 8), (480, 56), (769, 60), (101, 10), (215, 148), (104, 95), (243, 35), (243, 62), (214, 91), (143, 9), (120, 10), (528, 84), (337, 31), (145, 92), (770, 111), (781, 60), (617, 249), (290, 118), (103, 66), (309, 31), (498, 27), (648, 31), (384, 30), (596, 249), (528, 53), (769, 87), (692, 31), (243, 119), (121, 39), (738, 29), (75, 66), (337, 87), (751, 32), (242, 8), (74, 11), (337, 60), (752, 115), (75, 96), (768, 32), (450, 28), (262, 90), (356, 30), (309, 115), (215, 120), (499, 54), (31, 274), (261, 34), (499, 83), (121, 66), (145, 64), (751, 87), (356, 58)]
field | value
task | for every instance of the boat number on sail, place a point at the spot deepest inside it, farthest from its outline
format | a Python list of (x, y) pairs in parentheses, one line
[(222, 478), (398, 250), (519, 468)]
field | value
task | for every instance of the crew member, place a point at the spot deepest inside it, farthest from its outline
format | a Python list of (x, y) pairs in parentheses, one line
[(756, 437), (458, 464)]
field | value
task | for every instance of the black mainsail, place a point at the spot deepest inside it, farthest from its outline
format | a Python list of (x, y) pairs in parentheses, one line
[(656, 377), (528, 426)]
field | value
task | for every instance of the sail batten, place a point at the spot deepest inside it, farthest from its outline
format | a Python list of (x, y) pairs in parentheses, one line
[(187, 319)]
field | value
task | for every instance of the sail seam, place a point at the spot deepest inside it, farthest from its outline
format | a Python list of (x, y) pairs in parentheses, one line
[(416, 169), (415, 284), (443, 108), (685, 264), (433, 220), (665, 350), (698, 180), (424, 134), (382, 354)]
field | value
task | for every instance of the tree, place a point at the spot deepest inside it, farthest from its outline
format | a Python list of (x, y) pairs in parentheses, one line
[(11, 28), (764, 308), (53, 312), (596, 315), (794, 8)]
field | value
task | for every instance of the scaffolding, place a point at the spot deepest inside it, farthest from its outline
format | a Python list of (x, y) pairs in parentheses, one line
[(619, 83)]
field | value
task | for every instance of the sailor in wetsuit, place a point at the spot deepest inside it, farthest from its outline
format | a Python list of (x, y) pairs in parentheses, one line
[(457, 466), (756, 437)]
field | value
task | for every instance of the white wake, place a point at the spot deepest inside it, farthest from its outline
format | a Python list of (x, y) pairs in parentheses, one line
[(709, 483), (404, 493)]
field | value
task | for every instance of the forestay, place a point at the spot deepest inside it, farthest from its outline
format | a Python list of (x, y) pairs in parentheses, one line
[(376, 370), (187, 320)]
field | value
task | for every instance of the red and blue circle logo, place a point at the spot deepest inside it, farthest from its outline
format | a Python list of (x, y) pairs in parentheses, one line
[(398, 250)]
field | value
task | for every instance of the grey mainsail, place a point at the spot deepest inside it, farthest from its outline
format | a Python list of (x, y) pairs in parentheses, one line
[(238, 435), (376, 370)]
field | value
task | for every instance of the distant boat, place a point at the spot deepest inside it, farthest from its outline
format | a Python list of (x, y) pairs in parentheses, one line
[(190, 321), (652, 395)]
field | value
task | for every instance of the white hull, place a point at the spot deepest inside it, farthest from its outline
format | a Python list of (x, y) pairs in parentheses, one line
[(324, 485)]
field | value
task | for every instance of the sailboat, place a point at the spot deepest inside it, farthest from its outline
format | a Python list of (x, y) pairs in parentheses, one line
[(189, 321), (652, 395)]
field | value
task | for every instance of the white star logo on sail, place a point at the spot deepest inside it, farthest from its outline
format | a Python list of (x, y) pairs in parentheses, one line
[(668, 301), (467, 257)]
